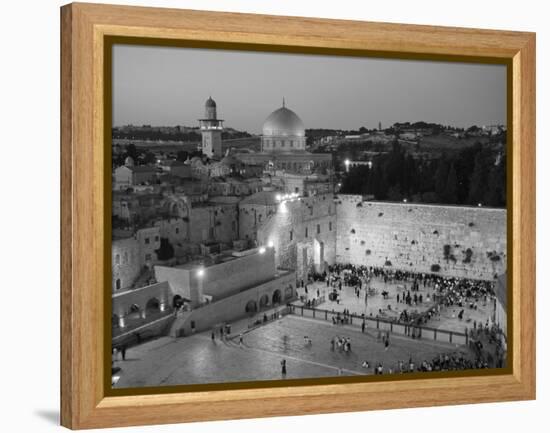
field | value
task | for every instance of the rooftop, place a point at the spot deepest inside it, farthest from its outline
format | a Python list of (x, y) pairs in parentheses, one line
[(266, 198)]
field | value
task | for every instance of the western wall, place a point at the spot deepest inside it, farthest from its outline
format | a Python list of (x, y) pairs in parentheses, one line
[(447, 240)]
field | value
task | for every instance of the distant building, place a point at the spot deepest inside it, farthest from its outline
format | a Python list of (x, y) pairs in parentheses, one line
[(176, 168), (129, 175)]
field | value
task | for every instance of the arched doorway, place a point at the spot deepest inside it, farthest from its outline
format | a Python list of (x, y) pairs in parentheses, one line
[(152, 305), (251, 307), (264, 302), (276, 297), (134, 311), (118, 284)]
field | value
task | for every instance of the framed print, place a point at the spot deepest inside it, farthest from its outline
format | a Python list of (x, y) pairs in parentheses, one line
[(308, 215)]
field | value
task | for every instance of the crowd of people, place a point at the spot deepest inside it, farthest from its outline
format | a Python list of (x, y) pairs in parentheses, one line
[(454, 361), (442, 291)]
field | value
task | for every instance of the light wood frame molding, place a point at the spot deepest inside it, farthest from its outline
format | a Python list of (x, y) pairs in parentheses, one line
[(84, 403)]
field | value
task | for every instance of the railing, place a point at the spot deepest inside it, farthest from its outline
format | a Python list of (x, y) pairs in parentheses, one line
[(382, 325), (314, 302)]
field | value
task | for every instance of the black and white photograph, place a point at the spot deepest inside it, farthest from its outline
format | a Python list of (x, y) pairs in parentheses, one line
[(283, 216)]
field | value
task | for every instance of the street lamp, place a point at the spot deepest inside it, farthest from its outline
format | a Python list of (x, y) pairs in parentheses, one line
[(200, 272), (262, 250)]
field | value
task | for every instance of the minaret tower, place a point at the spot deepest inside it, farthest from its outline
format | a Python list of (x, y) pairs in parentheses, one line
[(211, 131)]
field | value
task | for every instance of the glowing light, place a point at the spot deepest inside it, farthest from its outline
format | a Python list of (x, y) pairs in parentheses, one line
[(479, 204), (270, 244), (200, 272), (278, 197), (262, 250), (404, 200)]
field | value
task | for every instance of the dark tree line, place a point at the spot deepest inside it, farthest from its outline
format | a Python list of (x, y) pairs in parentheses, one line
[(155, 135), (475, 174)]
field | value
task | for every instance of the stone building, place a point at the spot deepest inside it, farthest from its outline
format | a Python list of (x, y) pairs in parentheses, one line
[(131, 254), (303, 233), (129, 175), (254, 211)]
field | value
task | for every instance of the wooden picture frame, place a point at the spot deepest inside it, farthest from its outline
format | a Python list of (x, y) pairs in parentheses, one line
[(85, 232)]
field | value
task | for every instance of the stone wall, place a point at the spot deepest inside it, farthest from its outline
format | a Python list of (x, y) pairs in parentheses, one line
[(303, 233), (219, 280), (415, 237), (235, 307), (123, 301)]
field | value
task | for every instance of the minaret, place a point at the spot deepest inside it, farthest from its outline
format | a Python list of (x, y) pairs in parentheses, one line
[(211, 131)]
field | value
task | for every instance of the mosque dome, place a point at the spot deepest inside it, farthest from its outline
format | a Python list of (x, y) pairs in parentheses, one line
[(283, 122)]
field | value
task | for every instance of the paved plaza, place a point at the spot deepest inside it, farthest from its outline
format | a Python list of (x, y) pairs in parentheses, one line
[(199, 359), (448, 319)]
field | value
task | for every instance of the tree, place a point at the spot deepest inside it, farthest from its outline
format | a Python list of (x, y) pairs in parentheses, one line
[(182, 156), (451, 189), (477, 181), (150, 158), (132, 152), (440, 180)]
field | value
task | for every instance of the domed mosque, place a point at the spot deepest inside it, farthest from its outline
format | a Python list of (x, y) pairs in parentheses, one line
[(283, 146), (283, 131)]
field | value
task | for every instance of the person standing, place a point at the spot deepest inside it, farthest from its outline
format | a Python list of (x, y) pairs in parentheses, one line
[(123, 352), (283, 367)]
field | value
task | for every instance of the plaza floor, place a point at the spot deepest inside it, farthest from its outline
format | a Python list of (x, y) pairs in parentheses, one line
[(448, 319), (198, 359)]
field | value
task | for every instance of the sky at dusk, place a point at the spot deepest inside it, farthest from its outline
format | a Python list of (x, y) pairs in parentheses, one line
[(168, 86)]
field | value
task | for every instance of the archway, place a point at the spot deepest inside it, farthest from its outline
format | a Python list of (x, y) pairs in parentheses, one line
[(118, 284), (251, 307), (134, 312), (318, 255), (153, 304), (276, 297), (264, 301)]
